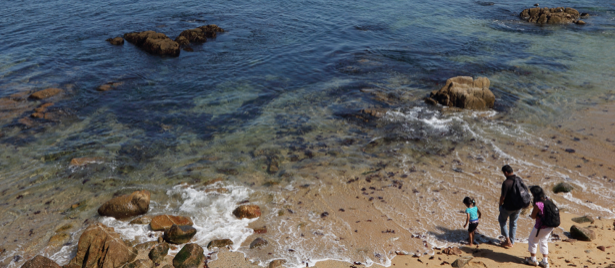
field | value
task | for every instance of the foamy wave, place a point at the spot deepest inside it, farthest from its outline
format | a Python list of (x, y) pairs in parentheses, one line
[(592, 206)]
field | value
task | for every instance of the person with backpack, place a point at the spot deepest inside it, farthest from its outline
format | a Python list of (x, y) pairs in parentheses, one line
[(546, 214), (513, 198)]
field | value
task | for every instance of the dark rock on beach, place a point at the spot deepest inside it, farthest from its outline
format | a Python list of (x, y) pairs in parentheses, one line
[(190, 256), (465, 92), (258, 242), (45, 93), (153, 42), (101, 246), (40, 262), (126, 206), (179, 234), (545, 15), (562, 187), (583, 219), (247, 212), (162, 222), (116, 41), (582, 233), (158, 252), (219, 243)]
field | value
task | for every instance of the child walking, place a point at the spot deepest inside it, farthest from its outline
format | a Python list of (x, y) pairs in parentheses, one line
[(473, 214)]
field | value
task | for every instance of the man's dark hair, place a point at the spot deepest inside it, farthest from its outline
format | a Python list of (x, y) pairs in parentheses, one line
[(507, 169)]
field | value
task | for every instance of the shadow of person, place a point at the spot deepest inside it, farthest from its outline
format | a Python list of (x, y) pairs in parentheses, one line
[(461, 236), (492, 255)]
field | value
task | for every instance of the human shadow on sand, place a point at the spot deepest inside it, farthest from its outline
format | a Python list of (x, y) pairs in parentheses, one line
[(500, 257)]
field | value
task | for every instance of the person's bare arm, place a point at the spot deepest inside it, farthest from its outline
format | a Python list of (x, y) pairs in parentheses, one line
[(467, 220), (479, 214)]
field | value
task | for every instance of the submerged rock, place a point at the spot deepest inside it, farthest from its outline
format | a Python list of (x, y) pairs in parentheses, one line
[(562, 187), (58, 240), (219, 243), (101, 246), (179, 234), (465, 92), (162, 222), (82, 161), (153, 42), (126, 206), (109, 86), (190, 256), (581, 233), (545, 15), (199, 34), (45, 93), (116, 41), (258, 242), (40, 262), (247, 212)]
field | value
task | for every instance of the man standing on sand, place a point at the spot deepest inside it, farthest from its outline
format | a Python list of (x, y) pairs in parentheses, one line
[(507, 208)]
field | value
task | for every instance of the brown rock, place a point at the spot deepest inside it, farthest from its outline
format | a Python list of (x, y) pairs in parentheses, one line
[(581, 233), (219, 243), (147, 246), (276, 263), (179, 234), (558, 15), (158, 253), (40, 262), (261, 230), (580, 22), (247, 212), (190, 256), (82, 161), (465, 92), (162, 222), (182, 40), (126, 206), (273, 167), (58, 240), (142, 220), (26, 122), (109, 86), (199, 35), (153, 42), (116, 41), (43, 107), (258, 243), (452, 251), (45, 93), (100, 246)]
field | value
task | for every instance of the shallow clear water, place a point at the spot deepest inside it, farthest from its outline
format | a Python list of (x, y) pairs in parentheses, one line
[(286, 82)]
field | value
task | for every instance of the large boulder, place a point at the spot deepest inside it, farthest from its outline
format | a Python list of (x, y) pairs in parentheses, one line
[(126, 206), (199, 34), (190, 256), (464, 92), (545, 15), (40, 262), (247, 212), (45, 93), (179, 234), (162, 222), (581, 233), (100, 246), (562, 187), (153, 42)]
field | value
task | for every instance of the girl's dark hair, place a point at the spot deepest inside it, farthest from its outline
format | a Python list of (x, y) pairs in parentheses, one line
[(469, 201), (538, 193)]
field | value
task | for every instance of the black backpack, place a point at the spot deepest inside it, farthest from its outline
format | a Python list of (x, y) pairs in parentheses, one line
[(550, 215), (520, 195)]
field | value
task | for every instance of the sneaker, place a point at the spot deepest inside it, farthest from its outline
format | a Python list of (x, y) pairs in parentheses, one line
[(530, 262), (544, 264)]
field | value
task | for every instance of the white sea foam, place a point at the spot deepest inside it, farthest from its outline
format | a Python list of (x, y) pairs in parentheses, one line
[(592, 206)]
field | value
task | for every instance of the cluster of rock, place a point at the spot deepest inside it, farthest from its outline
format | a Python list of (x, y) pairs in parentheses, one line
[(38, 107), (464, 92), (557, 15), (101, 246), (160, 44)]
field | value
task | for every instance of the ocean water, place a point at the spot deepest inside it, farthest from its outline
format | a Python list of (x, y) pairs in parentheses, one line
[(286, 83)]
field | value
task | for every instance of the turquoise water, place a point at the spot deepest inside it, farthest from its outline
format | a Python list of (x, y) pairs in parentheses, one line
[(285, 82)]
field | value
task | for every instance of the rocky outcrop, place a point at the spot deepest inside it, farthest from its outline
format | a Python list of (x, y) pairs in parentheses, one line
[(199, 34), (258, 242), (464, 92), (190, 256), (45, 93), (562, 187), (158, 253), (126, 206), (101, 246), (116, 41), (581, 233), (247, 212), (40, 262), (179, 234), (162, 222), (545, 15), (153, 42), (219, 243)]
